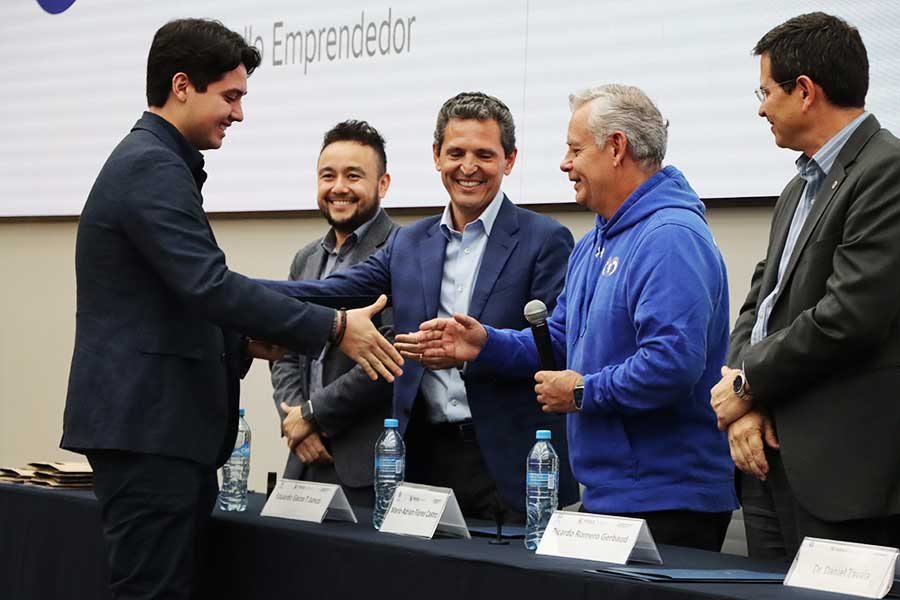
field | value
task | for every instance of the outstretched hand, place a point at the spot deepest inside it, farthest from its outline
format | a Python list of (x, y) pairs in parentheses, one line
[(443, 341), (365, 345)]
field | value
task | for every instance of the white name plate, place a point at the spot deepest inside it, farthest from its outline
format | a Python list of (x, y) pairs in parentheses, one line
[(599, 537), (308, 501), (421, 510), (843, 567)]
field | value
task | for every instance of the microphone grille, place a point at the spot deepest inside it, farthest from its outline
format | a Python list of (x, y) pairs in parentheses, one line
[(535, 312)]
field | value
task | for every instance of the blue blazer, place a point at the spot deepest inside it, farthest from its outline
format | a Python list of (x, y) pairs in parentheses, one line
[(525, 258)]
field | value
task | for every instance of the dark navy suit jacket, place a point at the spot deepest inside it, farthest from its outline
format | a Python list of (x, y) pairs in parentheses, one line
[(157, 362), (525, 258)]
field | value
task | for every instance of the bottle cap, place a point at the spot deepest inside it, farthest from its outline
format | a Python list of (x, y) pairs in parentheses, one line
[(242, 412), (542, 434), (393, 423)]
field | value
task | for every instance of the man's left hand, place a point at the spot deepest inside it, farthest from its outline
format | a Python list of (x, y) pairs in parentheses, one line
[(555, 390), (746, 437), (728, 406)]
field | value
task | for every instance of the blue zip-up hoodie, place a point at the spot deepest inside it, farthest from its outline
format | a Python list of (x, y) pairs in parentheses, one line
[(644, 317)]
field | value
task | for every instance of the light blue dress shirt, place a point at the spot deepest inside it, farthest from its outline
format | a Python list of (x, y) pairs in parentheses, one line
[(444, 391), (814, 171)]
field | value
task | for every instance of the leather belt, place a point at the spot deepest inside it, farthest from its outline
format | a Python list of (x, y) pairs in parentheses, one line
[(463, 430)]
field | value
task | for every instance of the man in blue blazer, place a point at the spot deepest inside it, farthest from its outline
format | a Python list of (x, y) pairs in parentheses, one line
[(487, 258)]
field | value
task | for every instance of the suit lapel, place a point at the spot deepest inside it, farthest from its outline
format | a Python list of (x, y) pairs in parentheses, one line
[(375, 237), (313, 265), (431, 263), (827, 192), (779, 235), (499, 247), (820, 204)]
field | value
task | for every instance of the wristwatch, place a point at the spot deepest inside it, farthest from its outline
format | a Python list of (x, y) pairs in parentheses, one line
[(740, 387), (578, 393), (306, 411)]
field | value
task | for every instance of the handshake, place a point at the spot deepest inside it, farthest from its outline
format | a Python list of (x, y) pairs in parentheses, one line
[(357, 337), (439, 344)]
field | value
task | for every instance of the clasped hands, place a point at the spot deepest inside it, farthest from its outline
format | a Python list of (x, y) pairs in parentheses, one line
[(443, 343), (748, 427), (303, 439)]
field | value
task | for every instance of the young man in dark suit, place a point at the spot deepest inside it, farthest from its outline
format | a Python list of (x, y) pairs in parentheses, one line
[(808, 396), (154, 382), (343, 408)]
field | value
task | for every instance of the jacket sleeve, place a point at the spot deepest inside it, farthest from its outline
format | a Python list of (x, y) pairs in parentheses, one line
[(162, 215), (371, 277)]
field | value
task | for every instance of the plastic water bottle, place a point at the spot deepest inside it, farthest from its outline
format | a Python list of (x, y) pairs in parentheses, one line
[(542, 488), (390, 466), (233, 495)]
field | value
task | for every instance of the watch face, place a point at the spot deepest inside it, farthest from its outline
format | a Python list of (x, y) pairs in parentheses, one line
[(738, 384), (579, 397)]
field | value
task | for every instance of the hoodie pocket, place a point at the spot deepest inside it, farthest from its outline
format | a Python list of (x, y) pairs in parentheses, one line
[(602, 451)]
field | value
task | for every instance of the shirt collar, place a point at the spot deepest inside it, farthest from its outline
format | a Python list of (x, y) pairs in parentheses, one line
[(826, 155), (170, 135), (330, 239), (487, 217)]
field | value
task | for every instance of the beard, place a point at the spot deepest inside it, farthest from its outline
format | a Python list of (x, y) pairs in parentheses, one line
[(350, 224)]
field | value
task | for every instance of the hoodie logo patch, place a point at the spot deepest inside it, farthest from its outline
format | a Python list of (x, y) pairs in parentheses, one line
[(610, 267)]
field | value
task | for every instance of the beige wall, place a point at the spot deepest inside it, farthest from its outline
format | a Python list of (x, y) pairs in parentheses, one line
[(38, 308)]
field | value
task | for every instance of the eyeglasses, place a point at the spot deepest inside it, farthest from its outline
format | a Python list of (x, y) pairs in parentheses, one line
[(763, 92)]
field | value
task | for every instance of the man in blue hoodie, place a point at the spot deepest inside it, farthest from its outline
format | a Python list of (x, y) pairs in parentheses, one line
[(642, 325)]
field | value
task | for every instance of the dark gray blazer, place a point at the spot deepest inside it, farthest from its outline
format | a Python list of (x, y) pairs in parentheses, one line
[(344, 409), (829, 369)]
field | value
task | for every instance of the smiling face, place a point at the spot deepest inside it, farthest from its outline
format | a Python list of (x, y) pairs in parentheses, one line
[(472, 164), (208, 114), (588, 165), (350, 184)]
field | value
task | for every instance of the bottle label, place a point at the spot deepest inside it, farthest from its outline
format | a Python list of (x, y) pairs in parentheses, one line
[(243, 451), (390, 464), (542, 480)]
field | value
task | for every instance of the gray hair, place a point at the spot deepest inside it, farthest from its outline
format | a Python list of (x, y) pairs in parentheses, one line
[(627, 109), (476, 105)]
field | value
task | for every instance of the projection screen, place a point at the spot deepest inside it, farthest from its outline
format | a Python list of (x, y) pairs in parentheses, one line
[(76, 85)]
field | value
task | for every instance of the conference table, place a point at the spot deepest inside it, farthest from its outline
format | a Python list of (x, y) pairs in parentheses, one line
[(51, 548)]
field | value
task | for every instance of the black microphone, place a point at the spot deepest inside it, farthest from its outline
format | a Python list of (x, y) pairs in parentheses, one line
[(536, 315)]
